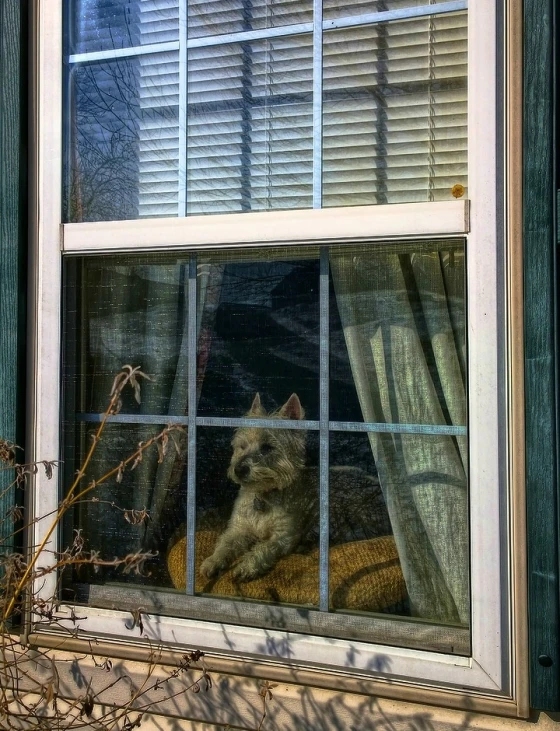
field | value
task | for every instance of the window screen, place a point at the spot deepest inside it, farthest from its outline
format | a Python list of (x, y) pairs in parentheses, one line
[(320, 477)]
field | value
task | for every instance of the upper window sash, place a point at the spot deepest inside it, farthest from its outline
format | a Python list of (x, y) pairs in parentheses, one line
[(198, 41), (338, 111)]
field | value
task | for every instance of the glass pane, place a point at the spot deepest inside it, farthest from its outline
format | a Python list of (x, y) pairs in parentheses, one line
[(398, 334), (397, 460), (400, 506), (104, 25), (113, 518), (123, 139), (257, 512), (365, 573), (334, 9), (395, 111), (259, 331), (250, 123), (217, 17), (128, 310)]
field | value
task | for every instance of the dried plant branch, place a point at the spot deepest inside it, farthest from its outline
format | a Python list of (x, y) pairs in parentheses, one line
[(31, 686), (128, 375)]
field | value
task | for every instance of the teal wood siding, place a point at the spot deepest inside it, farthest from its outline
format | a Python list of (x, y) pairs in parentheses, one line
[(541, 355), (12, 233)]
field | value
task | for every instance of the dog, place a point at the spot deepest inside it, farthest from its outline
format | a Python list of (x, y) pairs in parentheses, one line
[(276, 511)]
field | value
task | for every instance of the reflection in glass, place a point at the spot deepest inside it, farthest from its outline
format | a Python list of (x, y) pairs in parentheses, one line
[(123, 139), (234, 129), (250, 120), (217, 17), (395, 111), (98, 25)]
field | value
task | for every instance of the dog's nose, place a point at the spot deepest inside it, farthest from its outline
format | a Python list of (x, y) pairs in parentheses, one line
[(242, 470)]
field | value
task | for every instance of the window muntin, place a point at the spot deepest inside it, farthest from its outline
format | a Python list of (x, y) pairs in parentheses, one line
[(377, 458), (338, 111)]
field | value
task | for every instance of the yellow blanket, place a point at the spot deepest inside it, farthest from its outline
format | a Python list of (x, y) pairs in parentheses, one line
[(364, 575)]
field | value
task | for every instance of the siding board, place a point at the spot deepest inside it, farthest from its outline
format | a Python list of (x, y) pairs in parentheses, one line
[(12, 232), (539, 205)]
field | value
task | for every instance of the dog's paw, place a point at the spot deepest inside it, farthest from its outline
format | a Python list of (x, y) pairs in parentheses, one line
[(211, 567), (247, 570)]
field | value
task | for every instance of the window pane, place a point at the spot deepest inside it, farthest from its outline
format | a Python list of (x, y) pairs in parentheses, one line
[(113, 519), (102, 25), (123, 139), (250, 126), (128, 310), (334, 9), (240, 504), (398, 334), (259, 330), (217, 17), (395, 111), (399, 530)]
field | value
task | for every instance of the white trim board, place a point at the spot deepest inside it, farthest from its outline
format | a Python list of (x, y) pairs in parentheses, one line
[(446, 218)]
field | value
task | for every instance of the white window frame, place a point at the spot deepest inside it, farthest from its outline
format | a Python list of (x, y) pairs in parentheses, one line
[(495, 671)]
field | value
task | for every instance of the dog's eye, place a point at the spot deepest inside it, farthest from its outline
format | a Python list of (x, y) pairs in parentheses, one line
[(266, 448)]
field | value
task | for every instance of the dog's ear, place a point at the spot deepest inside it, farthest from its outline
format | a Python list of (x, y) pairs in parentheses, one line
[(292, 409), (256, 407)]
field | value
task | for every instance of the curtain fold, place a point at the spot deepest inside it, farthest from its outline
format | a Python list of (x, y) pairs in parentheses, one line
[(138, 314), (405, 354)]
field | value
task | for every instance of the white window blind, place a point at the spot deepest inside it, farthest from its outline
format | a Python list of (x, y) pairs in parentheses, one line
[(159, 133), (216, 17), (250, 130), (395, 111)]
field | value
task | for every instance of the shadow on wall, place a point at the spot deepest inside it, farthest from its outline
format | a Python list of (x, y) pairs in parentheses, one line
[(251, 702), (235, 706)]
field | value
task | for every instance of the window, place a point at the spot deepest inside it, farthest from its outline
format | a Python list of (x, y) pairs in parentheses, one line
[(265, 206)]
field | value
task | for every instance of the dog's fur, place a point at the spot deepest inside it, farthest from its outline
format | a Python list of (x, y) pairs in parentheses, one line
[(273, 507), (277, 507)]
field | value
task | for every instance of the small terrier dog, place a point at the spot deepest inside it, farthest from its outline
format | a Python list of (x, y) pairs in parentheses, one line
[(277, 508)]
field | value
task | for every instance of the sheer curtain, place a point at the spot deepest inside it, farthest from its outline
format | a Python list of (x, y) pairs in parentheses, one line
[(138, 313), (402, 315)]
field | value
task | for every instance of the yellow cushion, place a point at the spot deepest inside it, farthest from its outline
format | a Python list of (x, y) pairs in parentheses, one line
[(364, 575)]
